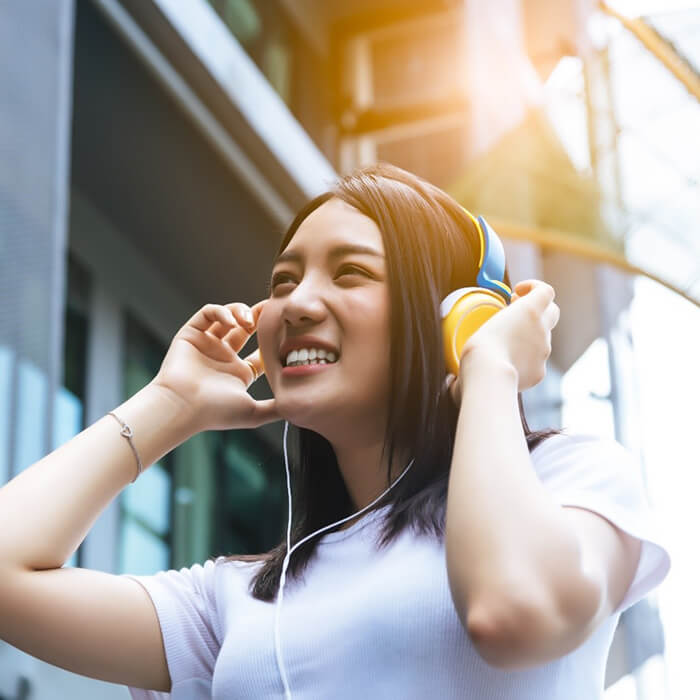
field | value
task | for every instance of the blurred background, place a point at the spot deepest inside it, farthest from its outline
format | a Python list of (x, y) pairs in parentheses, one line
[(152, 153)]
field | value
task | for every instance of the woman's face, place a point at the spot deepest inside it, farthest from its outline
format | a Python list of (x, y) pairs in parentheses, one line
[(329, 292)]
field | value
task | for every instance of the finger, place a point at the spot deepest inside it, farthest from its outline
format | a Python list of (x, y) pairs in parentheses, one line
[(243, 314), (207, 344), (456, 392), (210, 314), (551, 316), (453, 387), (523, 287), (218, 329), (242, 317), (526, 286), (237, 338), (539, 294), (237, 334), (255, 365), (257, 309)]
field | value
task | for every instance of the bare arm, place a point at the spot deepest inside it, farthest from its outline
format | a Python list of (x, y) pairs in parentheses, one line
[(48, 508), (514, 561), (97, 624)]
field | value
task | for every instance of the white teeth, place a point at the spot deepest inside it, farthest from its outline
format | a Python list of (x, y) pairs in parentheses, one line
[(308, 362), (310, 356)]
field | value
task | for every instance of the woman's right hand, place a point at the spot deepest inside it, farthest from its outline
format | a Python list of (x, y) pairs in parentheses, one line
[(202, 369)]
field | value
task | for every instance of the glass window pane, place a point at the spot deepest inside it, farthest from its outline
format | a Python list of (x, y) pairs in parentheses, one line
[(6, 363), (251, 498), (67, 417), (142, 553), (241, 18), (31, 415), (69, 402), (146, 530), (73, 561), (585, 390), (267, 37), (148, 499)]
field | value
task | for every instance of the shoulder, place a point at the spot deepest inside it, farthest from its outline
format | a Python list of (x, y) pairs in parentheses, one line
[(568, 463), (224, 568), (201, 578), (566, 448), (566, 441)]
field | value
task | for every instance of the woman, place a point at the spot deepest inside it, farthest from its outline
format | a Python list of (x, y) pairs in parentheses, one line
[(440, 548)]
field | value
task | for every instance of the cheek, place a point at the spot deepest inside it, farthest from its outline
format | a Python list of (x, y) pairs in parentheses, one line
[(379, 318), (265, 335), (375, 334)]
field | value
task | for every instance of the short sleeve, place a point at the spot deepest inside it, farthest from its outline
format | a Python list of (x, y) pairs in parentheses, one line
[(185, 603), (599, 474)]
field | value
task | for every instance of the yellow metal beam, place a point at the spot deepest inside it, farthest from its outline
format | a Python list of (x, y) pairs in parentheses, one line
[(676, 63), (580, 247)]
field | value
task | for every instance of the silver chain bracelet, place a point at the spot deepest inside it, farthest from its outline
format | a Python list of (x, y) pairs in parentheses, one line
[(128, 434)]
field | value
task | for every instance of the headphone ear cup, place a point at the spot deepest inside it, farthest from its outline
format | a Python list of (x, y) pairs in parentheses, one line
[(465, 316)]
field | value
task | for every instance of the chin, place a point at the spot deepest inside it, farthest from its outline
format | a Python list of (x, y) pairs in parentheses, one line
[(302, 411), (324, 415)]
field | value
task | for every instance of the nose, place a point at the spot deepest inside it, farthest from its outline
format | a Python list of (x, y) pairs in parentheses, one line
[(305, 304)]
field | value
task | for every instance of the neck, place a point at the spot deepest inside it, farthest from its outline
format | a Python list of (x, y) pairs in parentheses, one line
[(364, 471)]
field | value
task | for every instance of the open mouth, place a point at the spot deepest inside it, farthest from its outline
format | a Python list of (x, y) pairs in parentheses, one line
[(310, 356)]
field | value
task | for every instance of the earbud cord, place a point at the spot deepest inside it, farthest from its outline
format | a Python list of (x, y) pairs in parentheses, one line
[(290, 549)]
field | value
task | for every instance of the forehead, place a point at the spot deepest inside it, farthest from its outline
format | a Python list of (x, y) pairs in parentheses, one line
[(335, 223)]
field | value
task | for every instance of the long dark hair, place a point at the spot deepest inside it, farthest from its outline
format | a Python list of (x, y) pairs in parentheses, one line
[(431, 248)]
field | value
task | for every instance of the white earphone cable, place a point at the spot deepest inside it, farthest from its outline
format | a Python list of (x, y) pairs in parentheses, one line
[(290, 549)]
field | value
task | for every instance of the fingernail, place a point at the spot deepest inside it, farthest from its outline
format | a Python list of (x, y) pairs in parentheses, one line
[(247, 314)]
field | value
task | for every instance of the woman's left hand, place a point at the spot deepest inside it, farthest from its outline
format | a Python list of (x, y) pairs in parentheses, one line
[(519, 335)]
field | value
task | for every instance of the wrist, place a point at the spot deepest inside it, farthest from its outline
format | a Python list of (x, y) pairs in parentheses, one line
[(180, 413), (482, 361), (159, 421)]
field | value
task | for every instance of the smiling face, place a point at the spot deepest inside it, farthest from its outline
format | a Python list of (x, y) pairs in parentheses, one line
[(329, 291)]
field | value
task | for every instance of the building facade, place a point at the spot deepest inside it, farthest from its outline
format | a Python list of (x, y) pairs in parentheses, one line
[(154, 153)]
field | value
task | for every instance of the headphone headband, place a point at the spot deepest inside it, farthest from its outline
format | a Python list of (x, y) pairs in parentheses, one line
[(492, 259)]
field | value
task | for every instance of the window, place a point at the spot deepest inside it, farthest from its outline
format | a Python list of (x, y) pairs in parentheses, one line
[(69, 403), (263, 31), (252, 499), (145, 506)]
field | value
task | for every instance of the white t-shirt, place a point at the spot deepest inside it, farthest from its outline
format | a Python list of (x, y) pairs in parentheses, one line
[(380, 625)]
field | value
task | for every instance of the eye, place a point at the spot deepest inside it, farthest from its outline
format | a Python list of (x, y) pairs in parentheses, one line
[(352, 269), (279, 278)]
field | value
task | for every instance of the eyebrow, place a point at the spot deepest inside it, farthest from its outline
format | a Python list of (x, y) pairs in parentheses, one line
[(336, 252)]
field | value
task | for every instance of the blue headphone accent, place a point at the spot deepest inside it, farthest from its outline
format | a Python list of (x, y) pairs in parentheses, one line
[(492, 265)]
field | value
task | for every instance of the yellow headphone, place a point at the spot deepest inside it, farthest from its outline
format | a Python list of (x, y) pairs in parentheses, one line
[(465, 310)]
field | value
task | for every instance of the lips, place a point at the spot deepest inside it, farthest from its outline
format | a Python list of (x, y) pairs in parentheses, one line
[(304, 370)]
